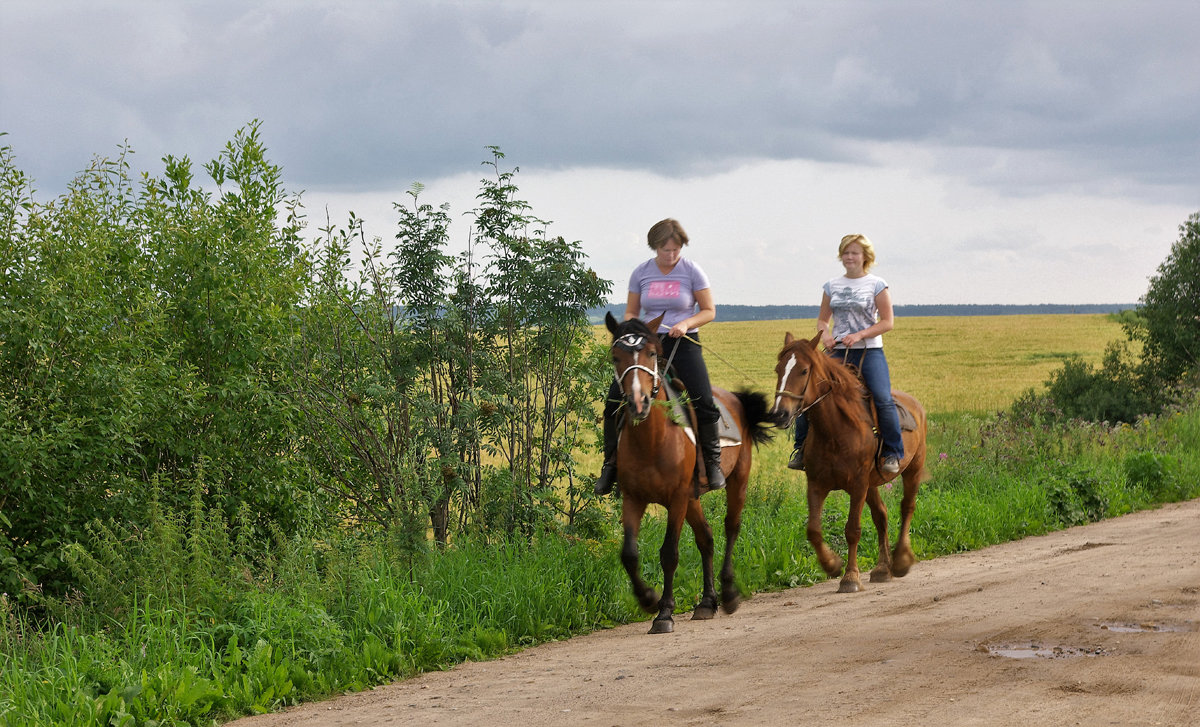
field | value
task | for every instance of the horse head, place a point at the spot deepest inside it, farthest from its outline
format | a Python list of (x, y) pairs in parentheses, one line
[(636, 350), (797, 365)]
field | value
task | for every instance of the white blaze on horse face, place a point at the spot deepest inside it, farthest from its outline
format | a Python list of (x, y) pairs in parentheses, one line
[(783, 379), (636, 389)]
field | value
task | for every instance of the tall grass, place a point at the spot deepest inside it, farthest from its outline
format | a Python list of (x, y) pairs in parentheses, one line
[(181, 625)]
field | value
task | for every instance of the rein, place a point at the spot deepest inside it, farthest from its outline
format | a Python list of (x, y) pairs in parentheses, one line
[(709, 349), (800, 396)]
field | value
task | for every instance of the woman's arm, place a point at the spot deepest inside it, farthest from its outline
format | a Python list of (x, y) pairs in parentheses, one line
[(886, 322), (825, 323), (633, 306), (707, 312)]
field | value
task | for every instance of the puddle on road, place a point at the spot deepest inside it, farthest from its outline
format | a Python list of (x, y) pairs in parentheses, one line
[(1040, 651), (1035, 651), (1145, 627)]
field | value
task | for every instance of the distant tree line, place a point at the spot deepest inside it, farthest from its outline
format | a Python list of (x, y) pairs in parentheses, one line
[(792, 312)]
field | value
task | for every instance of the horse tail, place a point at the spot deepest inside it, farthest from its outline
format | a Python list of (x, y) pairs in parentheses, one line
[(760, 425)]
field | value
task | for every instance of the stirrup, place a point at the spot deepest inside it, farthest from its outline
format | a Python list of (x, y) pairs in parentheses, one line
[(797, 460)]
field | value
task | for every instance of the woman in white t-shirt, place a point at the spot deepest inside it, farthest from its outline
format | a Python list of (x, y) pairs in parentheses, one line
[(676, 288), (856, 310)]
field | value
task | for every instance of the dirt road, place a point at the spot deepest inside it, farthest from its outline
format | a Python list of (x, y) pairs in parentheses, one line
[(1097, 625)]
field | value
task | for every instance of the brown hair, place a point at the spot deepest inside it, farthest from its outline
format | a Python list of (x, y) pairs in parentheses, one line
[(662, 232)]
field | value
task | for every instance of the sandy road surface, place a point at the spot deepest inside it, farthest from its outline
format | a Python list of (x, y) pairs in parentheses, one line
[(1113, 607)]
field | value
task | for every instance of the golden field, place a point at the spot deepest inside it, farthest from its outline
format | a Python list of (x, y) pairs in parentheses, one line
[(950, 363)]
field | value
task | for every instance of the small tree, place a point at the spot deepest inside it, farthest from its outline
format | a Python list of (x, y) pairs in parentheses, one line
[(1169, 322), (540, 289)]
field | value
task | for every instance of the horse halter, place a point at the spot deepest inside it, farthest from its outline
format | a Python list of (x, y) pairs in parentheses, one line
[(634, 343)]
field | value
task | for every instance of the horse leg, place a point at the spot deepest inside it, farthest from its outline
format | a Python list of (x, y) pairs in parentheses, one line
[(851, 582), (631, 519), (668, 556), (830, 561), (731, 597), (707, 608), (903, 557), (882, 571)]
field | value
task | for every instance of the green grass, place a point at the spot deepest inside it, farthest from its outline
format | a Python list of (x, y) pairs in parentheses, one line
[(179, 625)]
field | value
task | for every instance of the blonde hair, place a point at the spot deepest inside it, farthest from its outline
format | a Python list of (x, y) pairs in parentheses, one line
[(662, 232), (867, 247)]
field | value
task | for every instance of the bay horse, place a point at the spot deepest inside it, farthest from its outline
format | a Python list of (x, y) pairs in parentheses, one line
[(655, 464), (840, 454)]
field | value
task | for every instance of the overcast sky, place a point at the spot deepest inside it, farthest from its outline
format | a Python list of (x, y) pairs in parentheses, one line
[(995, 152)]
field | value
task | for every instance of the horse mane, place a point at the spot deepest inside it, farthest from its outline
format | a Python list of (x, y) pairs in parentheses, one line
[(634, 325)]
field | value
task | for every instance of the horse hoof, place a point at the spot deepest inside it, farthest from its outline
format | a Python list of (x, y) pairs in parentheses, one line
[(848, 587), (730, 603), (703, 613), (662, 626), (901, 563), (880, 576)]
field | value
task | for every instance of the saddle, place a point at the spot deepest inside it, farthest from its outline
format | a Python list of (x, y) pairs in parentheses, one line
[(908, 423), (686, 417)]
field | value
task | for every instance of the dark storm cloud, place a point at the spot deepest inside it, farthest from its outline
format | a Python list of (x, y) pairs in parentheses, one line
[(1024, 97)]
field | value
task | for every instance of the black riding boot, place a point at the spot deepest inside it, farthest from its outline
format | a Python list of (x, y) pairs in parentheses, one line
[(710, 443), (608, 470)]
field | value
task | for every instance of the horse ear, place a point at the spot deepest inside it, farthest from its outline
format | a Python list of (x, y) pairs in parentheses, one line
[(610, 322), (815, 341), (654, 324), (788, 339)]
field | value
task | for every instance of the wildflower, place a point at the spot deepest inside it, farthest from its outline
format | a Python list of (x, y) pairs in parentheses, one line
[(943, 456)]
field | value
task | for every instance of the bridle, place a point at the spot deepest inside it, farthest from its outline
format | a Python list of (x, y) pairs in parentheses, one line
[(800, 397), (635, 342)]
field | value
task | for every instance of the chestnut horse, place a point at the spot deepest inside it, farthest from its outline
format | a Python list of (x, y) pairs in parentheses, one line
[(655, 464), (840, 454)]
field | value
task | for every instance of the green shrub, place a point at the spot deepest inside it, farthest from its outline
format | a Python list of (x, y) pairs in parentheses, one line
[(1156, 473), (1112, 393), (1075, 496)]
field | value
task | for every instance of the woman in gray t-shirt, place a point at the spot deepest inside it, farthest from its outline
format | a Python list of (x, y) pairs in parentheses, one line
[(856, 310)]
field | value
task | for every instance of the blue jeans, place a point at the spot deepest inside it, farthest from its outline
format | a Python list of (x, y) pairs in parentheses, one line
[(874, 367)]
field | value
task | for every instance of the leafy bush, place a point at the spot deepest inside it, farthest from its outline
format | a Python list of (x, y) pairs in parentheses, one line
[(1075, 496), (1166, 330), (1113, 393), (1155, 473), (140, 332)]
